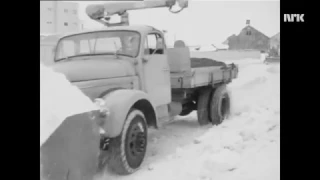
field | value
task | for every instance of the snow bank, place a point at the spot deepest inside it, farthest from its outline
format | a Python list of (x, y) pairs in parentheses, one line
[(244, 147), (58, 100)]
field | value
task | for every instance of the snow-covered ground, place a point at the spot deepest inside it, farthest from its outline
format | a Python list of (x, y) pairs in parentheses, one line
[(244, 147)]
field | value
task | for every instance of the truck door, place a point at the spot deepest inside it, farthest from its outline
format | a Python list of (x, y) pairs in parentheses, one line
[(156, 69)]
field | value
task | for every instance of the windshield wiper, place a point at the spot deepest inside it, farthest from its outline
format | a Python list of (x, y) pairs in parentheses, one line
[(79, 55), (93, 54), (127, 55)]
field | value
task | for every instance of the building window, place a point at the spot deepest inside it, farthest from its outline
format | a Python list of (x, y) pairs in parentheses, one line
[(249, 33), (66, 10), (65, 24), (49, 22)]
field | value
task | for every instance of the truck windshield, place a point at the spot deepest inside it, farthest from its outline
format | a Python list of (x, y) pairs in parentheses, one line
[(124, 43)]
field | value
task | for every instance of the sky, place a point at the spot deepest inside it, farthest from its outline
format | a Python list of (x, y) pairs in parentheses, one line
[(204, 22)]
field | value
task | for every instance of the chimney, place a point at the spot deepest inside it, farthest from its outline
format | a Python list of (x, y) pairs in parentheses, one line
[(248, 22)]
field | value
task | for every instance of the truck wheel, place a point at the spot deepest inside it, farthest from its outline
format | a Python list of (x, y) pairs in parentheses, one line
[(128, 153), (187, 108), (219, 105), (203, 106)]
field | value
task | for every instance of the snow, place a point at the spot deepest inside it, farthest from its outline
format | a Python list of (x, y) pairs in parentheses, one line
[(58, 100), (244, 147), (207, 48)]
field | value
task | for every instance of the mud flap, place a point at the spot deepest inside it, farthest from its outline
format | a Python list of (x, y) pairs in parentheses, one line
[(71, 152)]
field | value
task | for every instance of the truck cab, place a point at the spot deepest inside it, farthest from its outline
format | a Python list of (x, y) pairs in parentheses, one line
[(131, 55)]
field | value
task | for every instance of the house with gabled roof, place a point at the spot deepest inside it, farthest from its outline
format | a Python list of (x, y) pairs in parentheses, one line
[(249, 38)]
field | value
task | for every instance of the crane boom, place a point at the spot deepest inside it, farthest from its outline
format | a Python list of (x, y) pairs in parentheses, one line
[(103, 12)]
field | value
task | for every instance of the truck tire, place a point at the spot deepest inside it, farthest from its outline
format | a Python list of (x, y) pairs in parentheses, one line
[(128, 153), (203, 106), (219, 105), (187, 108)]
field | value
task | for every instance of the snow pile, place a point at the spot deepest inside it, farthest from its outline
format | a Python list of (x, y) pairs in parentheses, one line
[(58, 100), (244, 147)]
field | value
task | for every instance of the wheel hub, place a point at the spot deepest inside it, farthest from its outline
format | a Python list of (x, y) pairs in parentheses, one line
[(140, 142), (137, 141), (224, 107)]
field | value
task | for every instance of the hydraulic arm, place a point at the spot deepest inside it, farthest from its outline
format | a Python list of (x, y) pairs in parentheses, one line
[(103, 12)]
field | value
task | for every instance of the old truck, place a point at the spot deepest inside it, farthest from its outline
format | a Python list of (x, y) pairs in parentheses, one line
[(141, 83)]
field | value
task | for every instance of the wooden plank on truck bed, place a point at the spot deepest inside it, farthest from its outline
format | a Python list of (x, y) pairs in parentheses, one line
[(202, 76), (181, 80), (217, 76)]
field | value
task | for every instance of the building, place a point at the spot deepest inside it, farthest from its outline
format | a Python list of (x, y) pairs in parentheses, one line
[(248, 39), (59, 17), (275, 43)]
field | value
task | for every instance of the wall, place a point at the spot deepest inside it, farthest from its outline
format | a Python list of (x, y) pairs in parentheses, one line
[(275, 43), (227, 55), (58, 17), (67, 17), (46, 53), (47, 17)]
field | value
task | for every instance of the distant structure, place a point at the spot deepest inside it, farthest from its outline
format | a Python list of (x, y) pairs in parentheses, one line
[(275, 43), (59, 17), (248, 39)]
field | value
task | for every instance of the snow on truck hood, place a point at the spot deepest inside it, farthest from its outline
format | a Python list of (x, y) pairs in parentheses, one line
[(58, 100), (99, 68)]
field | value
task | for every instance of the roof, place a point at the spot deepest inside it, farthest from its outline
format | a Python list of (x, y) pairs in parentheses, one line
[(256, 40), (251, 28), (275, 40), (276, 37), (242, 32)]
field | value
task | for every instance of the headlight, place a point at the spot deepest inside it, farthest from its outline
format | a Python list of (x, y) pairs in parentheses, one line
[(102, 113), (101, 104)]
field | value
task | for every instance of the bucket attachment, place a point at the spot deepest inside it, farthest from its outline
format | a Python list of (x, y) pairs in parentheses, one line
[(72, 151)]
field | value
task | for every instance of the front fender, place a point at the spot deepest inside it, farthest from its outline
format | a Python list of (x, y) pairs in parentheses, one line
[(119, 103)]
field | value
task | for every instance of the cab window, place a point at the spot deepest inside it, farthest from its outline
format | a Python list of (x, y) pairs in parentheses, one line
[(154, 44)]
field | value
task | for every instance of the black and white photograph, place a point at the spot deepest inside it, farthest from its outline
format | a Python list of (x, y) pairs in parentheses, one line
[(160, 89)]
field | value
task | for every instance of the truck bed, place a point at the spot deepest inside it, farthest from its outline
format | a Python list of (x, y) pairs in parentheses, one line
[(190, 72), (203, 76), (205, 62)]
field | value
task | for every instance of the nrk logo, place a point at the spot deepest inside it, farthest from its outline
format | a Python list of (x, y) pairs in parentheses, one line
[(293, 17)]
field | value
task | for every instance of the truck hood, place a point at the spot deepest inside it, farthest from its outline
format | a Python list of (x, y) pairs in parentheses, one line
[(93, 69)]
